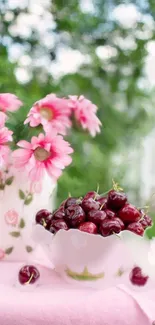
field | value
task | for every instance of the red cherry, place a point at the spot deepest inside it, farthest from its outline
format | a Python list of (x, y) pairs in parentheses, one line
[(93, 195), (110, 214), (43, 217), (59, 214), (103, 202), (56, 225), (90, 204), (129, 213), (116, 200), (137, 278), (146, 221), (96, 216), (63, 203), (136, 227), (72, 201), (89, 227), (74, 215), (28, 274), (109, 227)]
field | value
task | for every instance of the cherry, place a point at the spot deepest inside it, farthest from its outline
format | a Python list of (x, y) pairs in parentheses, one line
[(63, 203), (74, 215), (72, 201), (56, 225), (89, 227), (109, 227), (116, 200), (110, 214), (146, 221), (103, 201), (91, 195), (96, 216), (136, 227), (59, 214), (137, 278), (90, 204), (28, 274), (129, 213), (43, 217)]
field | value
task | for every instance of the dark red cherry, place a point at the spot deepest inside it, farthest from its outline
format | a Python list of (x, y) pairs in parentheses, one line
[(59, 214), (74, 216), (72, 201), (137, 277), (110, 214), (89, 227), (43, 217), (90, 204), (96, 216), (129, 213), (136, 227), (91, 195), (103, 202), (28, 274), (56, 225), (109, 227), (116, 200), (146, 221)]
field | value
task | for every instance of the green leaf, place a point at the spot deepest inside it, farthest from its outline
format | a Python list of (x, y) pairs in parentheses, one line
[(9, 250), (28, 199), (2, 187), (22, 223), (9, 180), (21, 195), (15, 234), (29, 249)]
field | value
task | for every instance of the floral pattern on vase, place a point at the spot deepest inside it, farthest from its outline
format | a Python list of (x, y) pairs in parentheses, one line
[(19, 202)]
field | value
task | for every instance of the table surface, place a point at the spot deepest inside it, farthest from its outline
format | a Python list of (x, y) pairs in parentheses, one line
[(54, 302)]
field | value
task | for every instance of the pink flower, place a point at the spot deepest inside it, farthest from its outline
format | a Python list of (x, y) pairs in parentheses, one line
[(45, 153), (51, 112), (9, 102), (2, 119), (5, 137), (11, 217), (2, 254), (85, 114)]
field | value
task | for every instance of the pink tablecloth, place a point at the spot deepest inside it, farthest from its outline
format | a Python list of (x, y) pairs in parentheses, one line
[(54, 302)]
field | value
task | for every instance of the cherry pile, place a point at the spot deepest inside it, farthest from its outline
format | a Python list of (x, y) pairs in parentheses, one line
[(96, 214)]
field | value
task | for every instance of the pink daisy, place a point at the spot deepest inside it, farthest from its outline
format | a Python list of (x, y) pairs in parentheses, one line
[(5, 137), (9, 102), (51, 112), (85, 114), (2, 119), (45, 153)]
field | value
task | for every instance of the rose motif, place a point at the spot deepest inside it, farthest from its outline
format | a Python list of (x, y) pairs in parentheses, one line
[(36, 187), (2, 254), (11, 217)]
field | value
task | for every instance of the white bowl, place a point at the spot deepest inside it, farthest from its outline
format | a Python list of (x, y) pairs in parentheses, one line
[(93, 260)]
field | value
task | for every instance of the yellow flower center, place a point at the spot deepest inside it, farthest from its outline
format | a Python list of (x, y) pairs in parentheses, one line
[(41, 154), (46, 113)]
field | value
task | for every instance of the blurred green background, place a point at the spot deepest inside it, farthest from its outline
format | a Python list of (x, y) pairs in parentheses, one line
[(104, 50)]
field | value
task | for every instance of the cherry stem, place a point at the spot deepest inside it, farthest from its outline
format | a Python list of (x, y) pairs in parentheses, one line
[(44, 223), (29, 281), (116, 186), (102, 206)]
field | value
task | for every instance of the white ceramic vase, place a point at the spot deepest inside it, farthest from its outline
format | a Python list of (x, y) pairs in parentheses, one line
[(19, 203)]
